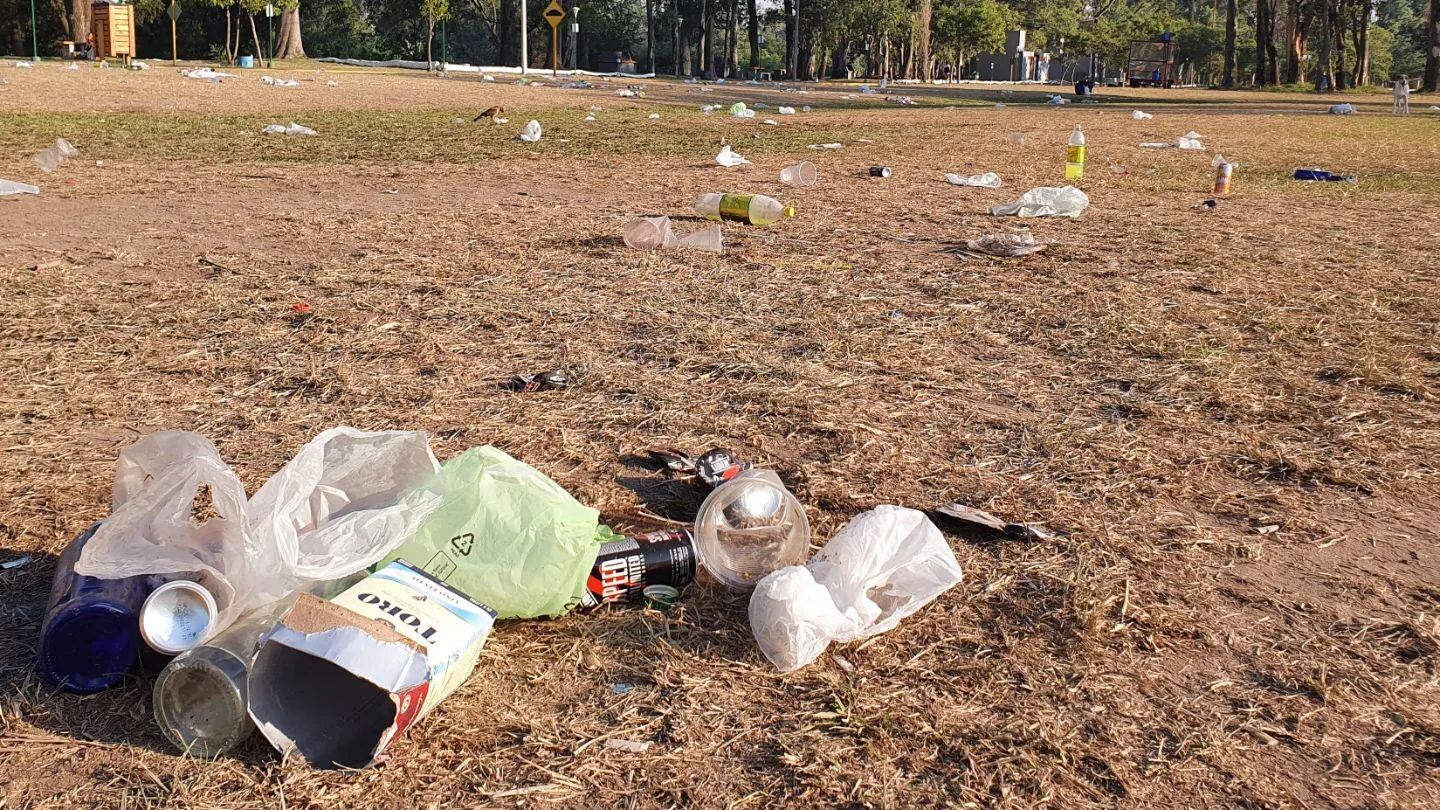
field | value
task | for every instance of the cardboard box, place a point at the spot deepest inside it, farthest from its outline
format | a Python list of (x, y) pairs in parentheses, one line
[(339, 681)]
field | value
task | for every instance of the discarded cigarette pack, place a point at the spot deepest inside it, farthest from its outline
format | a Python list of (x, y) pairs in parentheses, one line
[(339, 681)]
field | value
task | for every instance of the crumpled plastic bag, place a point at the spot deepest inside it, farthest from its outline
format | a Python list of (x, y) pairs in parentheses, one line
[(1190, 144), (885, 565), (1005, 244), (654, 233), (729, 158), (1141, 115), (279, 82), (1046, 201), (530, 133), (986, 180), (206, 73), (1343, 109), (8, 187), (293, 129), (507, 536), (347, 498)]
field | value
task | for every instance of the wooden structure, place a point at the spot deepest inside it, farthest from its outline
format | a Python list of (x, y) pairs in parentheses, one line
[(114, 29)]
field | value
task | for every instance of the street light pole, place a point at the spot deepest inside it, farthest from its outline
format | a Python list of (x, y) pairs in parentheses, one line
[(34, 37), (575, 38), (524, 38)]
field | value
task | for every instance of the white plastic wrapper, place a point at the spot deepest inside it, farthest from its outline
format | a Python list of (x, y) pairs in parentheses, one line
[(986, 180), (530, 133), (883, 566), (346, 500), (729, 158), (1046, 201), (1141, 115)]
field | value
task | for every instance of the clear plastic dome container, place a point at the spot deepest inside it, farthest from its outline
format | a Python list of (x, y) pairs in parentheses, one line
[(749, 526)]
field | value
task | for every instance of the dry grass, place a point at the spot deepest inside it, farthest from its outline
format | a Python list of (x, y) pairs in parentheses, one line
[(1160, 385)]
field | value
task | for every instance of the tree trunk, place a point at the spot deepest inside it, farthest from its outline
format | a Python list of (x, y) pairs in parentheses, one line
[(229, 60), (1362, 45), (924, 13), (686, 67), (752, 12), (1431, 83), (255, 37), (1296, 40), (1260, 36), (675, 38), (290, 46), (506, 25), (1324, 80), (79, 21), (1342, 76), (792, 38), (732, 49), (1228, 78), (429, 45), (707, 29), (650, 35)]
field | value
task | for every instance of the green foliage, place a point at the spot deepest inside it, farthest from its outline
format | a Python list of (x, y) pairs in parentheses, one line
[(435, 10), (973, 26)]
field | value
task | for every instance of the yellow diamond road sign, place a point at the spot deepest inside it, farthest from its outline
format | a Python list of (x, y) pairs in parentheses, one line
[(554, 13)]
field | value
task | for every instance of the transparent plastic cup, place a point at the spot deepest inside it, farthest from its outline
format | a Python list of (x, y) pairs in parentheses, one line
[(647, 233), (800, 175), (50, 159), (750, 526)]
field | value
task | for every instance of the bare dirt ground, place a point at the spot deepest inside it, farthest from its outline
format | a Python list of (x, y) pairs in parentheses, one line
[(1231, 414)]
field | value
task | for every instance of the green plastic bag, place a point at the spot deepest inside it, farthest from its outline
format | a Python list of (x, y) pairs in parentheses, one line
[(507, 536)]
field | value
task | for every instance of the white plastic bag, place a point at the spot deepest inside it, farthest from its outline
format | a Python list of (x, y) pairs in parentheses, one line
[(883, 566), (1141, 115), (986, 180), (293, 129), (1046, 201), (347, 498), (531, 132), (8, 187), (729, 158), (150, 528)]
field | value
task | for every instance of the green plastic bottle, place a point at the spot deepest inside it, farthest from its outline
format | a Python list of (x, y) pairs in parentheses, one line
[(756, 209)]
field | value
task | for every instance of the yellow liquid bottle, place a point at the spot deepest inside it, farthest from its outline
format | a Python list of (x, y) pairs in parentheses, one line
[(1075, 155)]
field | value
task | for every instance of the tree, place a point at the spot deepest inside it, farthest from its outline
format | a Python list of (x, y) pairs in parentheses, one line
[(1298, 18), (1228, 76), (1361, 73), (1324, 76), (968, 27), (754, 14), (79, 19), (924, 12), (1265, 57), (290, 45), (433, 11), (1432, 56)]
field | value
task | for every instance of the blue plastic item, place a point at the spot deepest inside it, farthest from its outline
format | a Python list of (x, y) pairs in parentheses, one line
[(91, 634), (1323, 176), (247, 61)]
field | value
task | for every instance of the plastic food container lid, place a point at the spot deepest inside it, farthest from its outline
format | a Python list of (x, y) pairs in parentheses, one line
[(177, 616)]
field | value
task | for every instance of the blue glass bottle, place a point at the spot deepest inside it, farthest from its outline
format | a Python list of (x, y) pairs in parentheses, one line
[(91, 634)]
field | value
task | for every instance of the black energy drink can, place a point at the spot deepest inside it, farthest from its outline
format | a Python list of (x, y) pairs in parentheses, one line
[(625, 567), (879, 171)]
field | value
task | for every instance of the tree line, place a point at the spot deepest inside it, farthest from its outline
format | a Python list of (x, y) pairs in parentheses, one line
[(1324, 43)]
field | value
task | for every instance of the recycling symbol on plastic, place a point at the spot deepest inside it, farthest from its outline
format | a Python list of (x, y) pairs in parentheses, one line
[(463, 544)]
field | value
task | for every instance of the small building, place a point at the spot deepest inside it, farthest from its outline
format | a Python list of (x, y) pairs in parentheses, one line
[(113, 25)]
